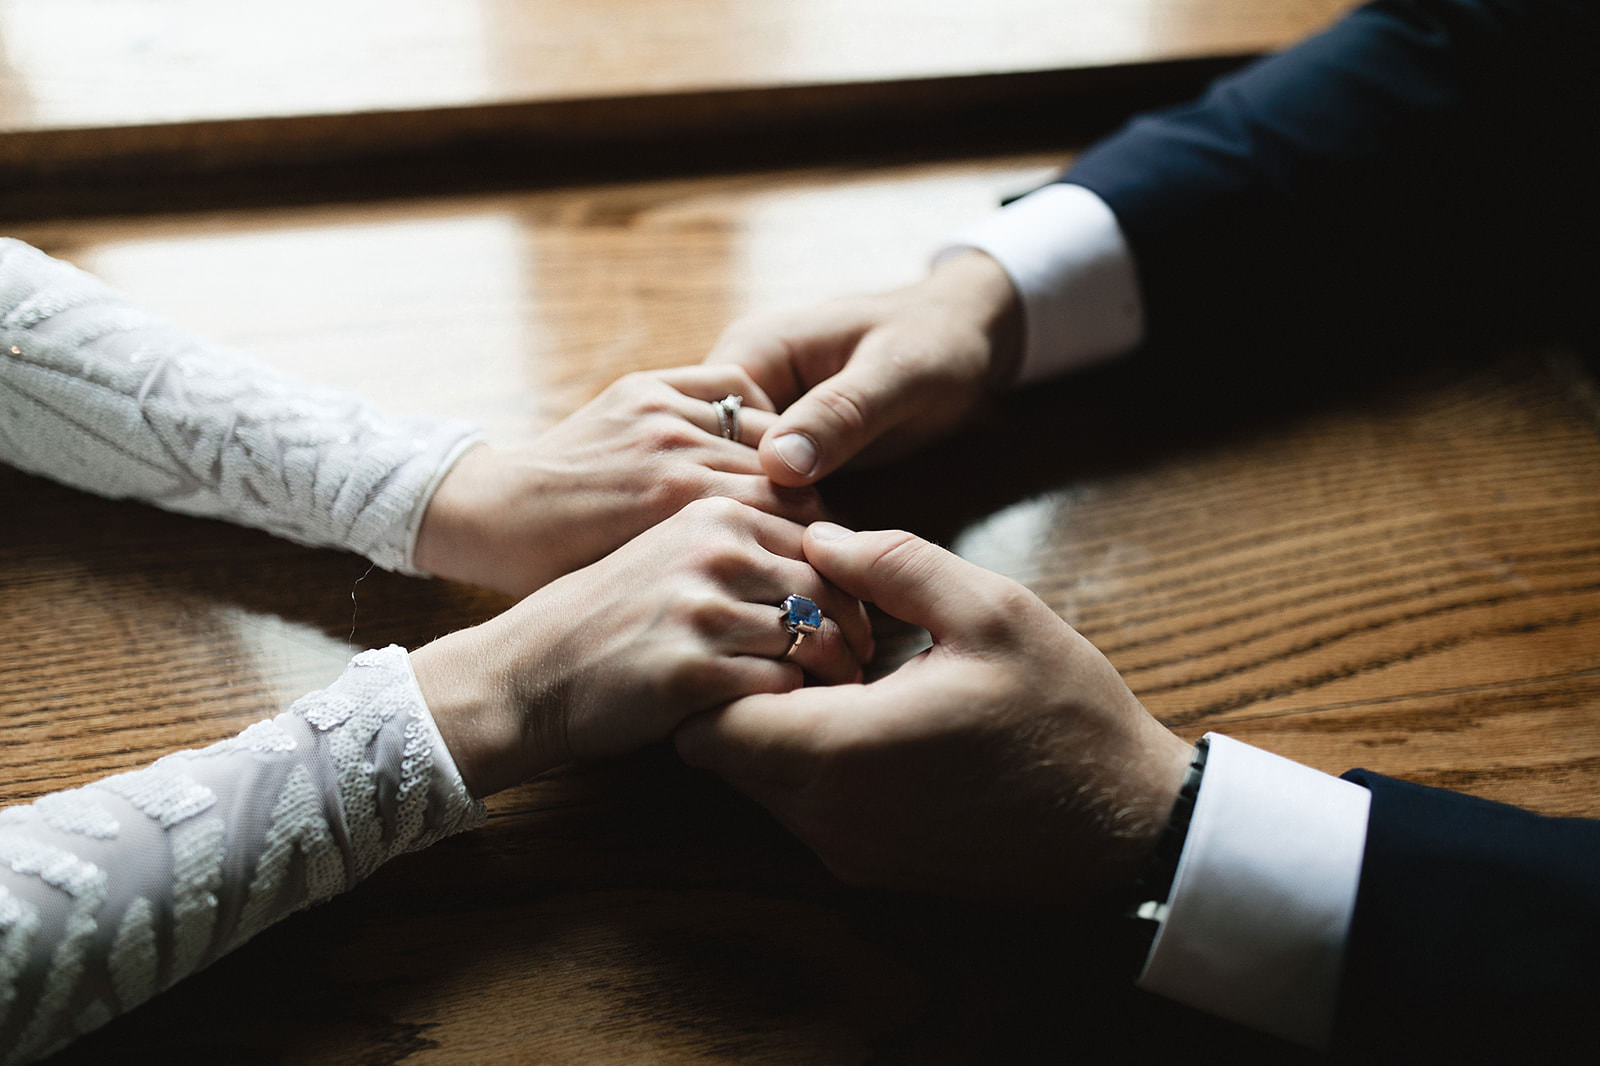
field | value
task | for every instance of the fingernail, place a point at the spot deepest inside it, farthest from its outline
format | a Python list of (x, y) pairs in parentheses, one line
[(829, 531), (797, 452)]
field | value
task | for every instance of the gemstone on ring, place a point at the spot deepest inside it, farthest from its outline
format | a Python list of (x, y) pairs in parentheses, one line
[(801, 615)]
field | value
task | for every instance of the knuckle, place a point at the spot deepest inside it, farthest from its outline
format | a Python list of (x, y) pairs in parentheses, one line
[(707, 613), (689, 676), (720, 558), (645, 395), (675, 488), (997, 609), (719, 512), (845, 406), (666, 434), (922, 355), (727, 563), (656, 405), (743, 382), (634, 385), (904, 557), (910, 352)]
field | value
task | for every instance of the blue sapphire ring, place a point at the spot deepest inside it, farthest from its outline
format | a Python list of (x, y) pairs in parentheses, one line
[(727, 410), (800, 617)]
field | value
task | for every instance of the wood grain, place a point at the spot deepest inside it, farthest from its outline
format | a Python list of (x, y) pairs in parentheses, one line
[(1398, 569), (111, 100), (80, 64)]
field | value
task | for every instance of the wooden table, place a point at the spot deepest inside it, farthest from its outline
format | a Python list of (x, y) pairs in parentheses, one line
[(109, 104), (1400, 572)]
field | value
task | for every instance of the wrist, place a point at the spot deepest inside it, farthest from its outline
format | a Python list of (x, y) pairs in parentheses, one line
[(1152, 884), (1155, 785), (450, 537), (468, 681), (477, 528), (976, 283), (1145, 898)]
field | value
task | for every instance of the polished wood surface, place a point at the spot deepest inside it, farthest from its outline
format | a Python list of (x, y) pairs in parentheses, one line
[(119, 93), (1398, 569), (71, 64)]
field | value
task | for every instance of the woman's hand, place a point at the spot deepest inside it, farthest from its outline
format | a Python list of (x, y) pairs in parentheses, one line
[(515, 519), (680, 619)]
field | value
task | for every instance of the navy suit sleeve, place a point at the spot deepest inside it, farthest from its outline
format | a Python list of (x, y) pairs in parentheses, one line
[(1476, 931), (1421, 164)]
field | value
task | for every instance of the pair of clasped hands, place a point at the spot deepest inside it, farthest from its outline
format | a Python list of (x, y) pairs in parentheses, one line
[(1009, 760)]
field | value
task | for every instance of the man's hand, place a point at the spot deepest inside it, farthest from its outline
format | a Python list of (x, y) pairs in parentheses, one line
[(1007, 761), (897, 368), (514, 519)]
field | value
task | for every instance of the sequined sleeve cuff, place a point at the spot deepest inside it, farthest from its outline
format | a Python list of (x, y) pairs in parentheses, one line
[(112, 892), (101, 395)]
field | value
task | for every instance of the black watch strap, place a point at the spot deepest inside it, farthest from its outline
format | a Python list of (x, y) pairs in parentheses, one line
[(1148, 895)]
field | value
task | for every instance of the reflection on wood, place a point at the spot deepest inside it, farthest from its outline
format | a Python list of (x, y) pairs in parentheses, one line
[(549, 296), (1401, 572), (112, 95), (110, 63), (1407, 578)]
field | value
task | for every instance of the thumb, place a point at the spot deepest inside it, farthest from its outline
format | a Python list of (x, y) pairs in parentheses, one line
[(906, 576), (838, 417)]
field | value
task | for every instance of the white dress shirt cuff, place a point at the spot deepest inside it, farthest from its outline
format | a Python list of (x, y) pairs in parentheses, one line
[(1071, 265), (1264, 892)]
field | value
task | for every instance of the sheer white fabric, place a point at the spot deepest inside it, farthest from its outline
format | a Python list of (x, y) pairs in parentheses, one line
[(112, 892), (106, 397)]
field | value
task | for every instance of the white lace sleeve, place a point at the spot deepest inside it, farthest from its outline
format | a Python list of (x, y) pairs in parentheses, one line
[(112, 892), (103, 396)]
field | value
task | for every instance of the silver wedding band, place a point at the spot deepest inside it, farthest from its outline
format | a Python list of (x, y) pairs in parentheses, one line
[(727, 410)]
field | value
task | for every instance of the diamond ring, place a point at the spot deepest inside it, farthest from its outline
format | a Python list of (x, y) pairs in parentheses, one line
[(727, 410), (800, 617)]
